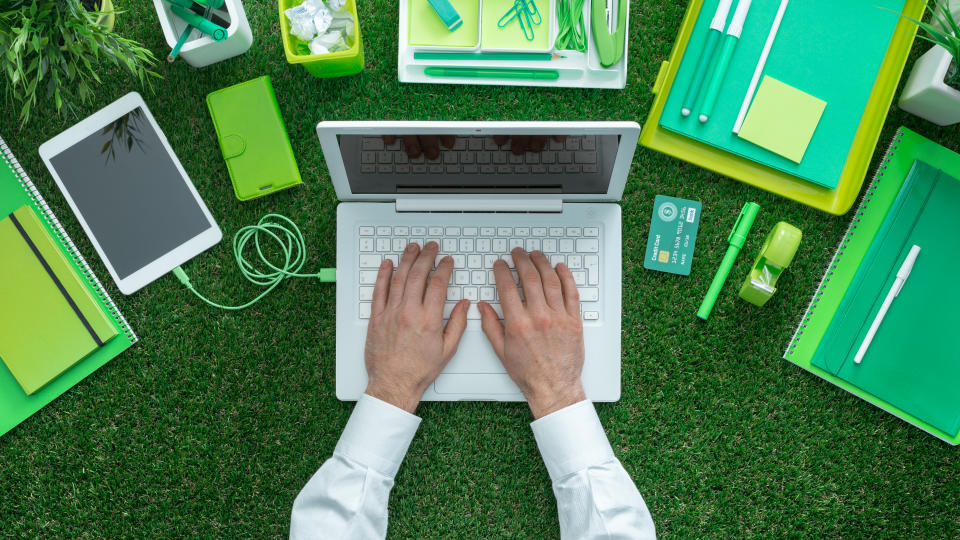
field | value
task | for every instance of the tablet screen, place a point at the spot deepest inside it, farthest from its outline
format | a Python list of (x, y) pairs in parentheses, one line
[(130, 193)]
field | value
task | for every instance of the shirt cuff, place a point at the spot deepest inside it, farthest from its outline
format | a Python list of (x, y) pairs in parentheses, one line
[(571, 440), (378, 435)]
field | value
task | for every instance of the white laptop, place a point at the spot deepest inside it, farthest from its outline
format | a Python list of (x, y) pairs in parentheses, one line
[(478, 200)]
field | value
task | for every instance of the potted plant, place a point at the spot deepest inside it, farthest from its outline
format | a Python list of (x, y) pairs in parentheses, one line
[(933, 90), (55, 50)]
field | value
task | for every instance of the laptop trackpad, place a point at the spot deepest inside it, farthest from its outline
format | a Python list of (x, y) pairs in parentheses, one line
[(475, 383), (474, 355)]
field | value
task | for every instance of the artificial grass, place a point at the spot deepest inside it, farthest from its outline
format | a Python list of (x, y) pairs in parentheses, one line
[(212, 423)]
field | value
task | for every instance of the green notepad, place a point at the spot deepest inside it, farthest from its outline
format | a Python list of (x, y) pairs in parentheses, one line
[(426, 29), (913, 361), (870, 235), (48, 320), (16, 190), (813, 52)]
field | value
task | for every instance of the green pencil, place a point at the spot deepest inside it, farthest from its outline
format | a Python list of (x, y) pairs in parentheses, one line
[(533, 57), (492, 73)]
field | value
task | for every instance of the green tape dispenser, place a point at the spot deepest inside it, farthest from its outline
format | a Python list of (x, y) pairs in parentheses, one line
[(775, 256)]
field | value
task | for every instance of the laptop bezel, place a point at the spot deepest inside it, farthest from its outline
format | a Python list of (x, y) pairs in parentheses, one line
[(328, 131)]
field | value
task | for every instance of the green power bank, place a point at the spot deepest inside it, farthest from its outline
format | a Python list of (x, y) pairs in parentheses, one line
[(253, 139)]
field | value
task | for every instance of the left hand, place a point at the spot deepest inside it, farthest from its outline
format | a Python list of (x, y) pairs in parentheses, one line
[(407, 343)]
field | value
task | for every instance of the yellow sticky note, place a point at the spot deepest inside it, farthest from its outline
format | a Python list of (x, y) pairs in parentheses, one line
[(782, 119)]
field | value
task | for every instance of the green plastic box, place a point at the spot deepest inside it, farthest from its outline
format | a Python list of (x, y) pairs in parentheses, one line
[(336, 64)]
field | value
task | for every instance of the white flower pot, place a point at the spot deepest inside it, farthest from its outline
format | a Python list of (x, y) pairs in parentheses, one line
[(201, 50), (926, 94)]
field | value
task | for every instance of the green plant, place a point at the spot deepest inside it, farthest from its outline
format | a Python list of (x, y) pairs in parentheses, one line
[(946, 33), (57, 47)]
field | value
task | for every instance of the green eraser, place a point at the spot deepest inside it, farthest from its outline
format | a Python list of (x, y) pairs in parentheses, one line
[(448, 14)]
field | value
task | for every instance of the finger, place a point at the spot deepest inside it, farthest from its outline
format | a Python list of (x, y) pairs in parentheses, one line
[(453, 331), (400, 276), (430, 146), (382, 287), (537, 143), (571, 296), (507, 290), (552, 291), (518, 145), (529, 278), (492, 327), (436, 293), (412, 146), (448, 140), (501, 140), (417, 278), (389, 139)]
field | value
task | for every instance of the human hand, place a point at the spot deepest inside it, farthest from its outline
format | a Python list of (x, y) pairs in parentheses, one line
[(407, 344), (526, 143), (427, 145), (540, 341)]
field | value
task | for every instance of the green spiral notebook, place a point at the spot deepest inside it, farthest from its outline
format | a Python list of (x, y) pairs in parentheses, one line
[(911, 368), (75, 349)]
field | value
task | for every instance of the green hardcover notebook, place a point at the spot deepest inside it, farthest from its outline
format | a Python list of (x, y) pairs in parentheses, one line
[(253, 139), (810, 53), (48, 320), (16, 405), (910, 369)]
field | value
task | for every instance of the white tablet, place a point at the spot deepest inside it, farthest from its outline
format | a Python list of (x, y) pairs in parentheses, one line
[(130, 193)]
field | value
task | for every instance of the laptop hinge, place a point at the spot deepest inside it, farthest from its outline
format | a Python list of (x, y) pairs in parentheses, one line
[(470, 203)]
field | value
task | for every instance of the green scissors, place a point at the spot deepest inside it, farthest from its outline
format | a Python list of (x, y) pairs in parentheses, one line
[(526, 12)]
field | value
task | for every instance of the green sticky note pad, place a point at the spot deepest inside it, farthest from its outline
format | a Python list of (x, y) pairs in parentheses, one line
[(427, 29), (673, 235), (782, 119)]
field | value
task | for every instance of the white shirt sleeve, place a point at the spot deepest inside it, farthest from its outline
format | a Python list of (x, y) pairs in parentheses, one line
[(595, 496), (347, 496)]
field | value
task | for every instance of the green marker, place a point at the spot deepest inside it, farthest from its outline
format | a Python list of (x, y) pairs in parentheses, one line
[(493, 73), (737, 238), (723, 62), (710, 47)]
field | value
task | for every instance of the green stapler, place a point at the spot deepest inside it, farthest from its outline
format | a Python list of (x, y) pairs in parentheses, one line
[(608, 20)]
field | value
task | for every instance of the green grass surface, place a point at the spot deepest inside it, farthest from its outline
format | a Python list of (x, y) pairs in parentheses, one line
[(212, 423)]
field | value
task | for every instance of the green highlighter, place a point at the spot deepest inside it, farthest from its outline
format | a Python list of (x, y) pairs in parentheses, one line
[(738, 236)]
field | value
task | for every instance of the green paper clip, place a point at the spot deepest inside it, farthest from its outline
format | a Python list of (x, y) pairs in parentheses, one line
[(526, 13), (775, 256)]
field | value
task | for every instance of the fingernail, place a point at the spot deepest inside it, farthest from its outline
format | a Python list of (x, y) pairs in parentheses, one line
[(432, 243), (537, 253), (411, 247)]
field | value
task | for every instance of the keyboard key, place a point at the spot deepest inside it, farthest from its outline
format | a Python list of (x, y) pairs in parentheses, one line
[(487, 169), (483, 245), (366, 244), (436, 231), (450, 157), (572, 143), (402, 169), (557, 259), (488, 260), (372, 143), (538, 169), (449, 245), (499, 245), (368, 277), (475, 143), (365, 310), (533, 244), (590, 168), (474, 261), (588, 245), (565, 157), (384, 231), (515, 243), (522, 231), (453, 231), (507, 259), (435, 168), (478, 277), (366, 231), (548, 157), (589, 294), (580, 277), (487, 231), (591, 231), (459, 261), (461, 277), (471, 293), (383, 244), (399, 244), (452, 169), (549, 245), (466, 157), (484, 158), (401, 231), (466, 245), (556, 231), (384, 157), (592, 264), (585, 157), (539, 232), (555, 169), (366, 293), (571, 168), (368, 168), (573, 231), (454, 293), (487, 293), (588, 142), (469, 231), (591, 315), (418, 231), (504, 231), (418, 241), (566, 245), (575, 261), (393, 257), (370, 261)]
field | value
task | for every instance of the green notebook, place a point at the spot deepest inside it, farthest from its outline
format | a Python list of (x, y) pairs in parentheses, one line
[(253, 139), (48, 319), (19, 195), (907, 370), (814, 53)]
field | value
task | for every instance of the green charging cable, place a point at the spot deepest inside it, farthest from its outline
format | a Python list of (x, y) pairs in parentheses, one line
[(288, 237)]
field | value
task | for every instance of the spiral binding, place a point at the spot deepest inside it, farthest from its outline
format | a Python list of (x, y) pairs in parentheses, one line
[(841, 248), (63, 239)]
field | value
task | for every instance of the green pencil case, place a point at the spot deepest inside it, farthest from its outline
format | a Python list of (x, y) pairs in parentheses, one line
[(253, 139)]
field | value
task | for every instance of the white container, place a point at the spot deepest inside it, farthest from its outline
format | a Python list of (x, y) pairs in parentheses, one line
[(200, 49), (926, 94)]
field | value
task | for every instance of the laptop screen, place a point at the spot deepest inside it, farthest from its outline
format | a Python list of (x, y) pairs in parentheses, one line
[(486, 164)]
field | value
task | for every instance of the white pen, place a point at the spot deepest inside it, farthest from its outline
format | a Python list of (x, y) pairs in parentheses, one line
[(901, 278)]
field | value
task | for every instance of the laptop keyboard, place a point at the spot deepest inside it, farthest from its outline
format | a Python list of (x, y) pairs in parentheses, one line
[(474, 250), (481, 155)]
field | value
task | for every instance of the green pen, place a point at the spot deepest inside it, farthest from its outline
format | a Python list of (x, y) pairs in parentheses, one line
[(494, 73), (723, 61), (706, 56), (736, 239)]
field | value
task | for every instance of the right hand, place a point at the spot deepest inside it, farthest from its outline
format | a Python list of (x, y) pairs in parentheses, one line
[(540, 341)]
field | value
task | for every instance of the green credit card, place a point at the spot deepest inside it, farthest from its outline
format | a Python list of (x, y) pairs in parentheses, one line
[(673, 235)]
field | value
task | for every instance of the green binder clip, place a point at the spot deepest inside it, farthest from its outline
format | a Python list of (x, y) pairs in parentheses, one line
[(608, 19), (775, 256)]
